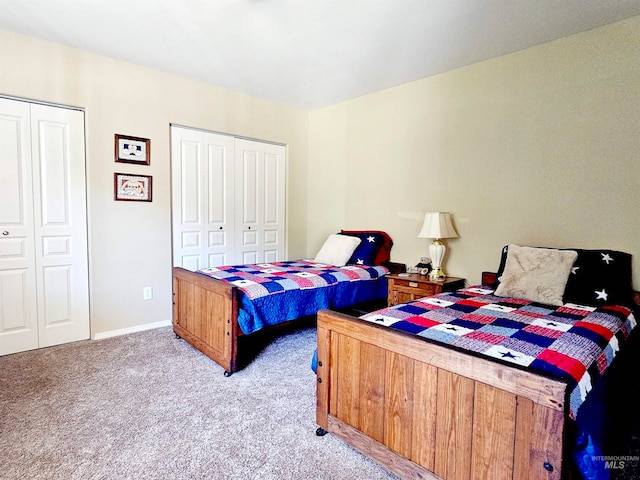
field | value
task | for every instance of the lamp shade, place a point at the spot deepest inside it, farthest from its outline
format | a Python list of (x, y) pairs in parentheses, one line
[(437, 225)]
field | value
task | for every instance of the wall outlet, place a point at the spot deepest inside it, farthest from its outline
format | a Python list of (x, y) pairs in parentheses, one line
[(147, 293)]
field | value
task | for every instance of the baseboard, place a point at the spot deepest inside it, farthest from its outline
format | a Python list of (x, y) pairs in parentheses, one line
[(137, 328)]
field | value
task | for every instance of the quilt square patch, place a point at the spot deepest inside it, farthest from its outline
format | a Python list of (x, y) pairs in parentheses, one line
[(564, 363), (552, 324), (438, 335), (471, 343), (519, 345), (406, 326), (508, 355), (435, 302), (451, 329), (498, 330), (412, 308), (542, 331), (478, 318), (381, 319), (495, 307), (422, 321), (534, 338), (487, 338)]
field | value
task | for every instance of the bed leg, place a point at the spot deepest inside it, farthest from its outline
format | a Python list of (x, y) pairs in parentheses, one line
[(227, 373), (178, 336), (321, 432)]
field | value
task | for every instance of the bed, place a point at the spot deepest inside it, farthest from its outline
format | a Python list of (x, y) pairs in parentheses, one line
[(424, 405), (215, 307)]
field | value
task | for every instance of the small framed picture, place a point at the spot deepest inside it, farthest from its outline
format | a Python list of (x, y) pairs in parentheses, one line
[(133, 150), (132, 187)]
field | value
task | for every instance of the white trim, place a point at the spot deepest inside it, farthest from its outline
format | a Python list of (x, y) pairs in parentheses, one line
[(40, 102), (253, 139), (125, 331)]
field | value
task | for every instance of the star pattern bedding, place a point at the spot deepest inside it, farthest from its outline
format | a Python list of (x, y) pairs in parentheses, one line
[(272, 293), (573, 342)]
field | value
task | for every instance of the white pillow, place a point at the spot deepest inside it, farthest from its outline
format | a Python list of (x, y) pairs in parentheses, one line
[(536, 274), (337, 250)]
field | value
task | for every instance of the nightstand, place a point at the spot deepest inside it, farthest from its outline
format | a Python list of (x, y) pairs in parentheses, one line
[(404, 289)]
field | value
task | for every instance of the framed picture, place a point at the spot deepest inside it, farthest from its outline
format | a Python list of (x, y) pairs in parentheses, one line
[(132, 187), (132, 150)]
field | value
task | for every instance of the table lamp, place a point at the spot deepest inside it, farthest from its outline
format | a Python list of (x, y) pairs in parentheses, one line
[(437, 225)]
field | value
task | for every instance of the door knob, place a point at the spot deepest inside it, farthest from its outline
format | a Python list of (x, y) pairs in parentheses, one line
[(5, 233)]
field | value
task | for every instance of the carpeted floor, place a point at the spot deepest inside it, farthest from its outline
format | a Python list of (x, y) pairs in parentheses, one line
[(149, 406)]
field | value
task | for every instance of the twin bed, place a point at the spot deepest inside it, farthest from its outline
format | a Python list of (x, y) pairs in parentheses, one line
[(469, 384), (215, 308), (485, 382)]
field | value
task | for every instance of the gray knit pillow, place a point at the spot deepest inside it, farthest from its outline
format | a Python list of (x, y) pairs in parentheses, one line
[(536, 274)]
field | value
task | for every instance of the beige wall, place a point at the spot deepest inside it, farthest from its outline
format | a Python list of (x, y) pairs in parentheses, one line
[(130, 243), (540, 147)]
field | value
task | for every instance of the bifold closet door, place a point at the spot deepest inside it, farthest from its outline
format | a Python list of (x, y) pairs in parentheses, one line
[(202, 173), (228, 199), (44, 285)]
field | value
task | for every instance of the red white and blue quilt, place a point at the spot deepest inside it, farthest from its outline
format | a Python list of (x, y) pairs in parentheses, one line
[(276, 292), (573, 342), (268, 278)]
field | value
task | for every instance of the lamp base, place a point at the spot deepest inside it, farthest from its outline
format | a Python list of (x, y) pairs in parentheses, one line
[(437, 274), (437, 251)]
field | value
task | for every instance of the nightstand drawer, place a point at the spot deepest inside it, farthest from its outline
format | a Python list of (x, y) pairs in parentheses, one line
[(403, 294), (411, 284), (403, 289)]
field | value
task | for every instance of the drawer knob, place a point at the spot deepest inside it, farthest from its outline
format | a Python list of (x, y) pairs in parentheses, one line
[(413, 284)]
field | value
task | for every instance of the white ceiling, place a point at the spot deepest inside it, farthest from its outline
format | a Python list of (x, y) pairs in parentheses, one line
[(307, 53)]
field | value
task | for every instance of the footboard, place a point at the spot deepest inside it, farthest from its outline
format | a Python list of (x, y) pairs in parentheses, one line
[(426, 411), (205, 314)]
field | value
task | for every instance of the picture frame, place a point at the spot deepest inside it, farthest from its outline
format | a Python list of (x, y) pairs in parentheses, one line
[(130, 149), (131, 187)]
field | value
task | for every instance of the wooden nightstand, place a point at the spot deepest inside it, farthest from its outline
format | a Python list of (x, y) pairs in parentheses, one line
[(404, 289)]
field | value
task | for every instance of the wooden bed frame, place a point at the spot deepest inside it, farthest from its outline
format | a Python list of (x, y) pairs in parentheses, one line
[(427, 411), (205, 314)]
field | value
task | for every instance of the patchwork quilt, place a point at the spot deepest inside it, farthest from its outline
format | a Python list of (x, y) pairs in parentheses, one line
[(268, 278), (573, 342), (276, 292)]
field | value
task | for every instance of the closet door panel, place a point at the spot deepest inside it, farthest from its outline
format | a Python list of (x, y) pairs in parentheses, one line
[(260, 201), (202, 172), (18, 307), (190, 214), (274, 189), (220, 225), (60, 224)]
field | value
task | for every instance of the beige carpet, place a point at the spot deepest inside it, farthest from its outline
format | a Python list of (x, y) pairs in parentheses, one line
[(149, 406)]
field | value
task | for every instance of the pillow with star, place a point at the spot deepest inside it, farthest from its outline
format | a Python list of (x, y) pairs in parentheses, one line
[(600, 277), (371, 243)]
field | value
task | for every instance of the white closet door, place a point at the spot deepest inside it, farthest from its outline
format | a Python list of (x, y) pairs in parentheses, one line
[(44, 280), (202, 173), (60, 220), (18, 299), (259, 201)]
